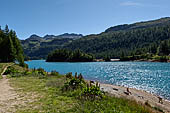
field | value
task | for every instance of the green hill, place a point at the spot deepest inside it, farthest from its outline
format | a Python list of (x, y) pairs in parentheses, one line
[(125, 39), (128, 39), (139, 25), (37, 47)]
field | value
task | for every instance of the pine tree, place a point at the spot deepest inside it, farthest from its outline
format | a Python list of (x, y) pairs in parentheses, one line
[(6, 30), (10, 47), (10, 53), (164, 48), (17, 47)]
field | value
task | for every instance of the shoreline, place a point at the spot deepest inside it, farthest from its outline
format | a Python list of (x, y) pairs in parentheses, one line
[(143, 60), (140, 60), (140, 96)]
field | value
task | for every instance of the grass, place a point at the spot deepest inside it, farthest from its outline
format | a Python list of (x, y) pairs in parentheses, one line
[(47, 97)]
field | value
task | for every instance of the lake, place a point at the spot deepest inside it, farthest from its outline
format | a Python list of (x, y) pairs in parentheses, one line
[(153, 77)]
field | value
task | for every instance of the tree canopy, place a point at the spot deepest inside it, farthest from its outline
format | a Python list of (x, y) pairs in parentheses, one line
[(10, 47), (65, 55)]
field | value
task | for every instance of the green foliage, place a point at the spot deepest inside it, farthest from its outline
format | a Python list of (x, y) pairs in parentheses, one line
[(22, 64), (164, 48), (11, 70), (163, 59), (110, 105), (10, 47), (64, 55), (88, 92), (92, 92), (49, 98), (153, 48), (74, 83), (41, 71), (107, 58), (54, 73), (133, 41), (38, 47), (136, 57), (69, 75)]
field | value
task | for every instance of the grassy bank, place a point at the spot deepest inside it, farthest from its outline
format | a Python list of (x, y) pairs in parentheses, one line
[(49, 98), (44, 93)]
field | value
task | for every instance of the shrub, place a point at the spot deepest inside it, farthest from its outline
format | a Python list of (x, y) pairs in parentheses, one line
[(22, 64), (15, 75), (27, 72), (41, 71), (54, 73), (10, 70), (74, 83), (92, 92), (69, 75)]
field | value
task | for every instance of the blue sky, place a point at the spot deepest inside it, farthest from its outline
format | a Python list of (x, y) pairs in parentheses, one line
[(43, 17)]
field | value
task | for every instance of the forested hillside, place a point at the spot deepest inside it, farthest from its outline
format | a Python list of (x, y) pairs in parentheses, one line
[(139, 25), (37, 47), (117, 41), (10, 47), (125, 42)]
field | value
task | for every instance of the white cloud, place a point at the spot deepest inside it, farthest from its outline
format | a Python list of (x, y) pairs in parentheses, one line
[(130, 3)]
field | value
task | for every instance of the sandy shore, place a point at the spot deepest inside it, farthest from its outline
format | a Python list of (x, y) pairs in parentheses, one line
[(137, 95)]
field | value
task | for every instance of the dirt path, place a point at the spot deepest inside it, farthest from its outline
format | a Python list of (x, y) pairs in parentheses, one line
[(9, 99)]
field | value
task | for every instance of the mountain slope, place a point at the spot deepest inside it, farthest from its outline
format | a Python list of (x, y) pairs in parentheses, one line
[(125, 39), (139, 25), (116, 41), (37, 47)]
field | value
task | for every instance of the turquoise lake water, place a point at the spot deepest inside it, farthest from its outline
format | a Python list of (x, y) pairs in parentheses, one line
[(149, 76)]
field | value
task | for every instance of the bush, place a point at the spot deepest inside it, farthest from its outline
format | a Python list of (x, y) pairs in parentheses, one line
[(27, 72), (16, 75), (41, 71), (10, 70), (22, 64), (92, 92), (54, 73), (74, 83), (69, 75)]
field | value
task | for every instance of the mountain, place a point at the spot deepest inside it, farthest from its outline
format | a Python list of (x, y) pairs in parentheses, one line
[(139, 25), (116, 41), (125, 39), (46, 37), (71, 36), (37, 47), (35, 37)]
